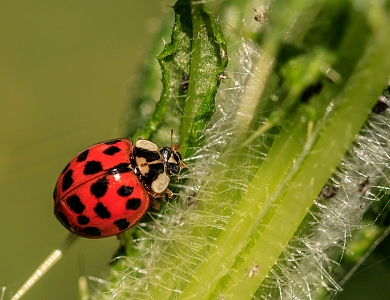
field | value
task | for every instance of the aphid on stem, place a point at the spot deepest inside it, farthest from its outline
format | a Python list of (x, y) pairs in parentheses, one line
[(222, 77), (253, 271)]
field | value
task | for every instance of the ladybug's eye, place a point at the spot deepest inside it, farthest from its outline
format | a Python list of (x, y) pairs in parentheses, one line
[(173, 169), (166, 153)]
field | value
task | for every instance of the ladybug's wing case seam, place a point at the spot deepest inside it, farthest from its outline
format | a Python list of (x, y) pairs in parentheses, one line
[(118, 203), (92, 162), (98, 195), (107, 188)]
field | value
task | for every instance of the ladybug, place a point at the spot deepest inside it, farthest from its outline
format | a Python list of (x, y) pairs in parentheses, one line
[(109, 187)]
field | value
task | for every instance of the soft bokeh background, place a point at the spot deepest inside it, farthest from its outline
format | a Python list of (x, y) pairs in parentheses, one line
[(66, 71)]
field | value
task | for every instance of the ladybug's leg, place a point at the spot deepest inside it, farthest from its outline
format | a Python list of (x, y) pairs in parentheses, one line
[(121, 251), (120, 237), (154, 204), (169, 194)]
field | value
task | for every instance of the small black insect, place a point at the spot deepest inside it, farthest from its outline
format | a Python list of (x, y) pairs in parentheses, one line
[(383, 101), (310, 91), (328, 192), (364, 187), (185, 81), (222, 77), (260, 16)]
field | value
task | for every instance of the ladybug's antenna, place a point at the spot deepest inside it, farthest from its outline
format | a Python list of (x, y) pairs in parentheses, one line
[(173, 147), (45, 266), (172, 138)]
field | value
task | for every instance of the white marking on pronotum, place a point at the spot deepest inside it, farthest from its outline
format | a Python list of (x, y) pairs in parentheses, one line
[(147, 145), (160, 184)]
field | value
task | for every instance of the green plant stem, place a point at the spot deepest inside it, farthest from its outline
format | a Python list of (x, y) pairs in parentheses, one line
[(275, 226)]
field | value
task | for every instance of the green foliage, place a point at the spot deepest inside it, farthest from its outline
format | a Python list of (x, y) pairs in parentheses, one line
[(310, 89), (194, 61)]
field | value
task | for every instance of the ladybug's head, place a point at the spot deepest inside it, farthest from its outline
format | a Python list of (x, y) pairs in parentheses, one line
[(172, 159)]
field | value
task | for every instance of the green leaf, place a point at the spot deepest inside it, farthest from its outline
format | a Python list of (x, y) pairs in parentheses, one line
[(190, 66), (209, 60)]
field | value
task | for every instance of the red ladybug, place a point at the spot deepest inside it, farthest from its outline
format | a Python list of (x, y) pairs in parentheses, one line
[(108, 188)]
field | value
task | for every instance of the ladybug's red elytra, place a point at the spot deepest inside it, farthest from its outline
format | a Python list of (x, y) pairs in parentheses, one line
[(107, 188)]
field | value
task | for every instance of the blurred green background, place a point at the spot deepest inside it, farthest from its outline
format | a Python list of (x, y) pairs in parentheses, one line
[(67, 69)]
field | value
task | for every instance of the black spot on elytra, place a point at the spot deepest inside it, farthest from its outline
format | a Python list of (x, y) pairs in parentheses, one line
[(92, 167), (99, 188), (112, 150), (94, 231), (82, 156), (75, 204), (63, 219), (112, 142), (120, 168), (102, 211), (66, 168), (67, 180), (82, 220), (55, 193), (122, 224), (133, 204), (125, 191)]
